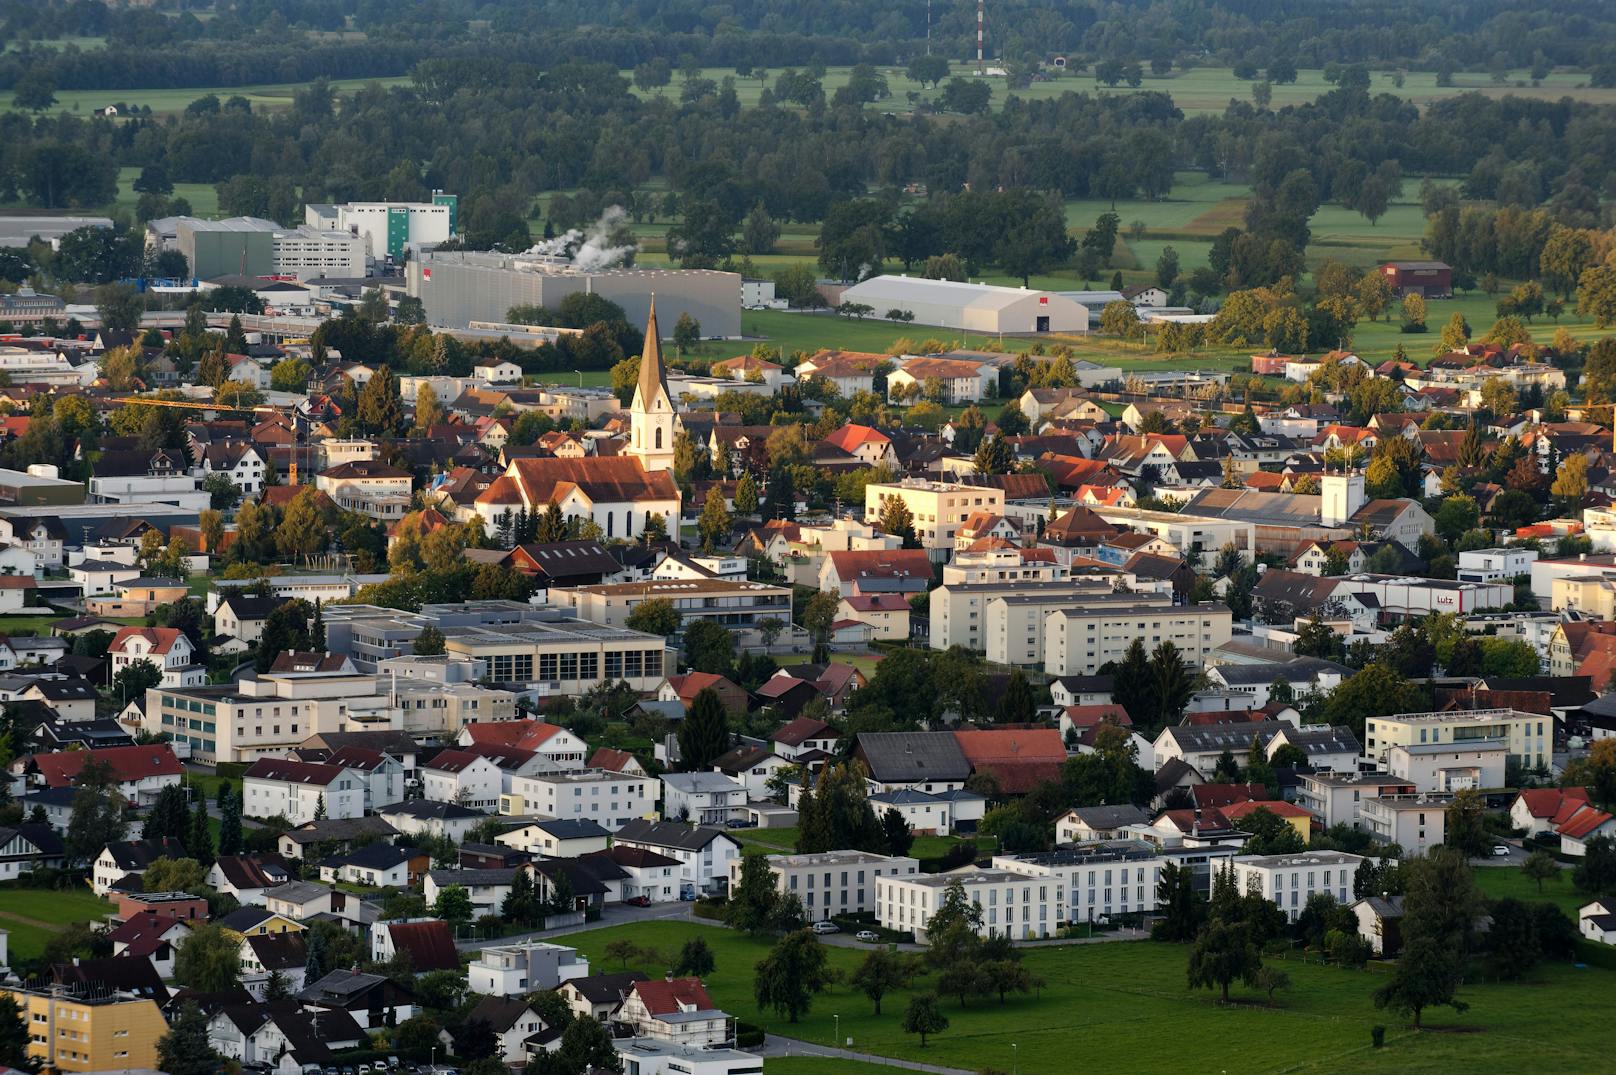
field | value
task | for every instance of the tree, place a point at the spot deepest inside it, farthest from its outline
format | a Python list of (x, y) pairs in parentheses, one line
[(899, 836), (97, 819), (753, 901), (35, 90), (168, 817), (695, 958), (789, 976), (1439, 911), (1465, 830), (746, 495), (430, 642), (1223, 952), (924, 1017), (185, 1049), (759, 232), (882, 972), (230, 836), (1017, 705), (119, 307), (656, 616), (1541, 866), (704, 733), (453, 906), (896, 519), (13, 1035), (1412, 312), (301, 533), (380, 411), (927, 67), (586, 1046), (993, 456), (286, 629), (1270, 979), (714, 524), (315, 965), (1512, 939), (209, 961)]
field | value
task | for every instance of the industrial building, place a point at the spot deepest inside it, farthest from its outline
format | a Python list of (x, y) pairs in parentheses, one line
[(389, 229), (253, 247), (970, 307), (18, 231), (458, 288)]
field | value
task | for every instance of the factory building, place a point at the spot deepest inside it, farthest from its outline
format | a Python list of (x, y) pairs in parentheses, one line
[(389, 229), (971, 307), (458, 288)]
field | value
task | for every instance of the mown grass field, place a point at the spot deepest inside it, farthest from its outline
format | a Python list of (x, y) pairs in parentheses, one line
[(1508, 882), (1123, 1007), (783, 841), (269, 97), (32, 916)]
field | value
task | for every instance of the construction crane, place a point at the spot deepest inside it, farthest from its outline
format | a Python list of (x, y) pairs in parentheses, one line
[(192, 405)]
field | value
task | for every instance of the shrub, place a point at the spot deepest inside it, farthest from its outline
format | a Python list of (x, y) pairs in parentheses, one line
[(1377, 1034)]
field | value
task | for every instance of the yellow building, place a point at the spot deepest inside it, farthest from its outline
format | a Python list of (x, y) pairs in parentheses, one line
[(113, 1033), (1529, 737), (939, 508), (246, 922)]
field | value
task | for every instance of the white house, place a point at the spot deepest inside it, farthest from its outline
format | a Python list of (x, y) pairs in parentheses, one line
[(704, 798), (610, 799), (487, 888), (675, 1010), (1597, 921), (515, 970), (704, 854), (301, 791), (470, 780), (167, 648), (557, 838), (1289, 880), (1013, 905)]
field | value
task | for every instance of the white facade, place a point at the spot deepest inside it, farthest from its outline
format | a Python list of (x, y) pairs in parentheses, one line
[(1413, 822), (514, 970), (971, 307), (609, 799), (1013, 905), (476, 785), (833, 882), (298, 799), (703, 798), (1289, 880), (1449, 766)]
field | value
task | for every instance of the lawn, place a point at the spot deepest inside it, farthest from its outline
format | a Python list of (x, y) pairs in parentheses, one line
[(784, 841), (822, 1065), (268, 97), (46, 911), (30, 625), (1111, 995), (1500, 882), (204, 197)]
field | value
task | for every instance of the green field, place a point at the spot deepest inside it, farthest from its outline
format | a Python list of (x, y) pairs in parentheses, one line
[(1128, 1005), (271, 97), (204, 197), (31, 916), (1501, 882)]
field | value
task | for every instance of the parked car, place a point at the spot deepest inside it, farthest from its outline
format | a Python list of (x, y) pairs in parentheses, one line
[(869, 936), (1500, 851), (827, 927), (739, 823), (638, 901)]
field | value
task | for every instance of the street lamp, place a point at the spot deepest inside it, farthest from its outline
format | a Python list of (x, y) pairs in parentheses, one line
[(580, 374), (838, 1041), (1015, 1059)]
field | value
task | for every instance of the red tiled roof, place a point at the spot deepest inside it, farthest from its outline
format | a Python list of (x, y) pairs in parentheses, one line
[(1018, 758), (877, 602), (127, 763), (161, 639), (429, 944), (1547, 803), (1236, 811), (526, 735), (1087, 716), (669, 997), (1584, 821), (616, 761), (1215, 796), (851, 437), (881, 564), (615, 479), (294, 772), (690, 684)]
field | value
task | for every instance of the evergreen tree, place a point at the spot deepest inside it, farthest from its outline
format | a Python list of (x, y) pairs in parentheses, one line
[(380, 411), (430, 642), (746, 497), (314, 966), (704, 733), (1017, 705), (714, 523), (168, 818), (552, 527), (199, 841), (185, 1050), (319, 808), (317, 628), (1134, 685), (230, 839)]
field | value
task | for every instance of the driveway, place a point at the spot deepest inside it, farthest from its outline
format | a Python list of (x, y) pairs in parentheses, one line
[(613, 915), (1516, 856)]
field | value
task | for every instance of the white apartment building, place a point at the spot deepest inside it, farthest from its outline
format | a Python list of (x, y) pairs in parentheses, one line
[(609, 799), (1449, 766), (1198, 538), (1337, 798), (704, 854), (388, 229), (1289, 880), (469, 780), (704, 798), (1078, 641), (1094, 881), (1528, 736), (939, 508), (515, 970), (1414, 822), (959, 610), (295, 790), (833, 882), (1495, 565), (1013, 905)]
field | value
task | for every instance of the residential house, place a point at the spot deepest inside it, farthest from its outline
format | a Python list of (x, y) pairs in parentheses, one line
[(166, 647), (301, 791), (703, 853), (374, 1001), (377, 865), (139, 772), (598, 996), (515, 970), (428, 942), (439, 819), (557, 838), (674, 1010)]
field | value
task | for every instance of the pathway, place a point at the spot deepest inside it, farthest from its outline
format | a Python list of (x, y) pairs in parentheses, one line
[(775, 1045), (615, 915)]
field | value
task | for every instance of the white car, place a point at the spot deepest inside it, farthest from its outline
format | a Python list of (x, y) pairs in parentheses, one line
[(1500, 851), (827, 927), (868, 936)]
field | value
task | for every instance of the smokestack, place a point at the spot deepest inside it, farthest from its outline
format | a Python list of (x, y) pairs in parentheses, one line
[(981, 21)]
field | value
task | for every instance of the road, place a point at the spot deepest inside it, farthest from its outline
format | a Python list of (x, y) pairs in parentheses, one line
[(847, 940), (1516, 856), (612, 915), (775, 1045)]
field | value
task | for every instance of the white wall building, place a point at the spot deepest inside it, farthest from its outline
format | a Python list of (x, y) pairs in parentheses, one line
[(1013, 905), (609, 799), (833, 882), (1289, 880)]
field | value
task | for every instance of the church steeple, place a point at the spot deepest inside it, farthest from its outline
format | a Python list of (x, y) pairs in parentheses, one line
[(651, 416)]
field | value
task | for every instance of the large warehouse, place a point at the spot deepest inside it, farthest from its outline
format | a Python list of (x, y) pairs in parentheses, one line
[(459, 287), (971, 307)]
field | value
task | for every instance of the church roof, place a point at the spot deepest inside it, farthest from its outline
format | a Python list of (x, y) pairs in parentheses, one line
[(653, 373)]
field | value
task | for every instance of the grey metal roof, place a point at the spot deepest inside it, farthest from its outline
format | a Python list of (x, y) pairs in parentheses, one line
[(1198, 738), (1302, 668), (668, 834), (1110, 817), (907, 757)]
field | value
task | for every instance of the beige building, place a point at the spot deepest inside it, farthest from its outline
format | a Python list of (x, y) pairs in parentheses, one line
[(369, 487), (1449, 766), (959, 611), (1016, 624), (730, 603), (1529, 737), (565, 656), (1413, 822), (939, 508), (1198, 538), (104, 1031), (265, 717), (1594, 596), (1078, 641), (439, 710), (832, 882)]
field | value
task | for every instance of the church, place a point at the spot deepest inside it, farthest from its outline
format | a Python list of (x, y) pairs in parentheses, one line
[(618, 492)]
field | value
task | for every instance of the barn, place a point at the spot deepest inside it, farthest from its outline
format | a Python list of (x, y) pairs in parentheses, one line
[(1427, 279), (970, 307)]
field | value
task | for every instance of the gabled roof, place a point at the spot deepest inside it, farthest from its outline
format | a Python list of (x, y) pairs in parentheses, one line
[(669, 997), (669, 834), (1583, 822), (501, 1013), (1019, 758), (909, 757), (294, 772), (158, 639), (249, 872), (612, 479), (615, 761), (279, 951), (1552, 804), (605, 988), (799, 731), (429, 944), (136, 855), (127, 763)]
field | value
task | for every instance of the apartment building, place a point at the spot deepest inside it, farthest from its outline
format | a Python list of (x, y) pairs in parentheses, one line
[(1078, 641), (1414, 822), (939, 508), (301, 790), (958, 610), (1094, 881), (89, 1029), (566, 657), (1450, 766), (1013, 905), (1338, 798), (440, 710), (265, 717), (1290, 880), (1015, 623), (515, 970), (609, 799), (833, 882), (730, 603), (1199, 538), (1529, 737)]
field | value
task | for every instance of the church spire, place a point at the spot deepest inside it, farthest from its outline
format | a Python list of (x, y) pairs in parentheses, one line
[(653, 373)]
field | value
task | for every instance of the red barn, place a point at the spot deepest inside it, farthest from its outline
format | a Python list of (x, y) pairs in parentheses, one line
[(1427, 279)]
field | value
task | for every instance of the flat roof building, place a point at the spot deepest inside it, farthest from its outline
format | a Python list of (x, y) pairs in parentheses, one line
[(971, 307), (832, 882)]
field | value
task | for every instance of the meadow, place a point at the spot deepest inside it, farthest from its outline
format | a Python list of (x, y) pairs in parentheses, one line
[(783, 841), (1509, 882), (31, 916), (1122, 1007)]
